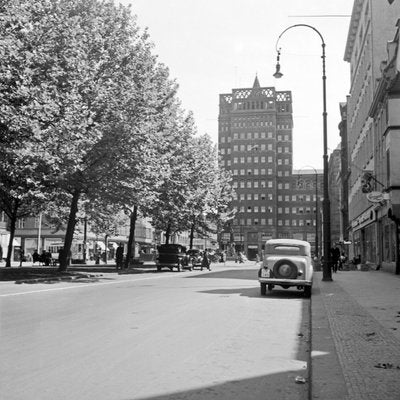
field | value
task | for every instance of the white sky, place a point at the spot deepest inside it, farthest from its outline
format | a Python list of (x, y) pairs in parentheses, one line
[(213, 46)]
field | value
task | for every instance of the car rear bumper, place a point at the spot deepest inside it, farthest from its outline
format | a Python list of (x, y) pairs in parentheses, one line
[(285, 282), (163, 264)]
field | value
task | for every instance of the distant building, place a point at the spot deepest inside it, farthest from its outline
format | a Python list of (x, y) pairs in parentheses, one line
[(255, 139), (36, 233)]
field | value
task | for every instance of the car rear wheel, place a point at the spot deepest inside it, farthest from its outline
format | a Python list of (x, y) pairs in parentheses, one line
[(285, 269)]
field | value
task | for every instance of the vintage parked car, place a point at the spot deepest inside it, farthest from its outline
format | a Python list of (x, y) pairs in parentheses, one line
[(172, 256), (195, 258), (287, 262)]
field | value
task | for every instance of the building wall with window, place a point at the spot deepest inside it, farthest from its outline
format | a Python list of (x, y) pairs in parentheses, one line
[(372, 25), (335, 193), (36, 233), (255, 139), (385, 184)]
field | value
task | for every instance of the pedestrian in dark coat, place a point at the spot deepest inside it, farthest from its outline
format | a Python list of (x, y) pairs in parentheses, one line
[(36, 257), (119, 256), (335, 254), (205, 263)]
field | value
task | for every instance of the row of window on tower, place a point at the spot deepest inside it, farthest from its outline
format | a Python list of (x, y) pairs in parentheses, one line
[(270, 197), (269, 222), (254, 135), (280, 210), (256, 171)]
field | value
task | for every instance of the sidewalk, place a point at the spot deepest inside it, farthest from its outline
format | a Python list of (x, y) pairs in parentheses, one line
[(356, 336), (36, 272)]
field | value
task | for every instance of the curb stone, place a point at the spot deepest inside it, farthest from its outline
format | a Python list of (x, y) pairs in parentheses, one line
[(56, 278)]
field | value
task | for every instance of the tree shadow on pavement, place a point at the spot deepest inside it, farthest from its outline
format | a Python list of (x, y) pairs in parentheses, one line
[(283, 385), (248, 274)]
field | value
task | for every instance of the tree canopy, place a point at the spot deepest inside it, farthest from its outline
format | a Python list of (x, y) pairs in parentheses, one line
[(88, 115)]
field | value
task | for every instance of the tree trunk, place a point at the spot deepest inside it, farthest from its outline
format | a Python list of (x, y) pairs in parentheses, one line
[(13, 222), (69, 234), (191, 236), (168, 233), (106, 247), (131, 241)]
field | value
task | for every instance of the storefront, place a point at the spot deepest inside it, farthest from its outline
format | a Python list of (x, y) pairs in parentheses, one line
[(387, 231), (365, 237)]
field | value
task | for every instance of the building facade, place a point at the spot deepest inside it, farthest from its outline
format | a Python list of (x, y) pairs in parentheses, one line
[(35, 233), (344, 175), (335, 195), (255, 139), (385, 181), (372, 25)]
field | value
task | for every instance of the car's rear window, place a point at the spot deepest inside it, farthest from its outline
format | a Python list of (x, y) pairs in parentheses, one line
[(170, 249), (286, 250)]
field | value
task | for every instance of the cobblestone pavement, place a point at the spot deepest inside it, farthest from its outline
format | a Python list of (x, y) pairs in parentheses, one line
[(356, 316)]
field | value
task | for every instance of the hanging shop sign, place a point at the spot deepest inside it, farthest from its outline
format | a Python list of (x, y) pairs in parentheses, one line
[(364, 219), (377, 197)]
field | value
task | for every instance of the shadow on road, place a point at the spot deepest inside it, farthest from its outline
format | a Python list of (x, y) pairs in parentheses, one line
[(255, 292), (248, 274), (273, 386)]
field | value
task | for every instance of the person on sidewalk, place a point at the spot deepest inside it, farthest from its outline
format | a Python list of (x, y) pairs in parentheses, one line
[(36, 257), (21, 257), (205, 263), (119, 256), (335, 254)]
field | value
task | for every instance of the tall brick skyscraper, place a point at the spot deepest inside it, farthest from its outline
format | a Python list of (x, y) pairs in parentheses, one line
[(256, 145)]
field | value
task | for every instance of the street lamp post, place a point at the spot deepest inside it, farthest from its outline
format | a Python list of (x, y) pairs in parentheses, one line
[(326, 267)]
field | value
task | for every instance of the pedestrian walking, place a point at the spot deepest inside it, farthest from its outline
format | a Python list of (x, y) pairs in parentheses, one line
[(335, 254), (205, 262), (21, 257), (36, 257), (257, 258), (119, 256)]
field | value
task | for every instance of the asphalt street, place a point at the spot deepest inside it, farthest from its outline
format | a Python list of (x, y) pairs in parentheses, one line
[(169, 335)]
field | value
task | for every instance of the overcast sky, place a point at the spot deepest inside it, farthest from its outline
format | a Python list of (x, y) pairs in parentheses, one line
[(213, 46)]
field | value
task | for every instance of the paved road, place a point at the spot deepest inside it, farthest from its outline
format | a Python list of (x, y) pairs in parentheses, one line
[(190, 335)]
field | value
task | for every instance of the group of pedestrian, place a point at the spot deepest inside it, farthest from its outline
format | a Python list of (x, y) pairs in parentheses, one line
[(239, 257), (43, 259), (338, 259)]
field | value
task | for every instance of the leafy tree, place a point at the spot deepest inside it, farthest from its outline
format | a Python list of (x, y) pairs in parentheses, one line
[(169, 209), (89, 79), (139, 166), (211, 190)]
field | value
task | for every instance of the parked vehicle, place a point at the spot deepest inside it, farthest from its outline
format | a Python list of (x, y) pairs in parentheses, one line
[(172, 256), (287, 262), (195, 258)]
